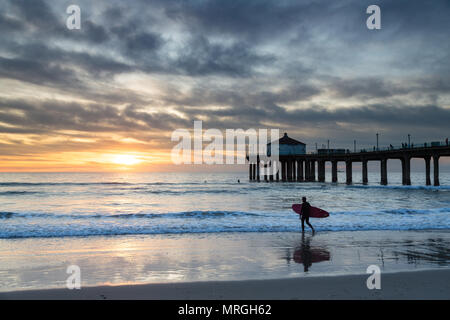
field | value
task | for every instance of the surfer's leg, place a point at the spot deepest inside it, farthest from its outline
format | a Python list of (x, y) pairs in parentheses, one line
[(303, 225), (309, 224)]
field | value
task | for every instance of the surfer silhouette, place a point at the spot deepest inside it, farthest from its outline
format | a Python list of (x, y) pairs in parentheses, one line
[(304, 216)]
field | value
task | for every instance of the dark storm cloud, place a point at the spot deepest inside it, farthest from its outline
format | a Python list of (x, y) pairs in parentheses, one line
[(381, 115), (284, 63), (419, 17), (36, 12), (90, 33), (95, 64), (131, 40), (253, 96), (384, 115), (35, 72), (204, 58), (113, 14), (143, 41), (50, 116), (8, 24), (247, 19), (366, 88)]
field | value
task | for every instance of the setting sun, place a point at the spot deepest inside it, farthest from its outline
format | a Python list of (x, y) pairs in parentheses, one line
[(125, 159)]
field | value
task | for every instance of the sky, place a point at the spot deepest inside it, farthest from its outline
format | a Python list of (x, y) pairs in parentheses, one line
[(108, 96)]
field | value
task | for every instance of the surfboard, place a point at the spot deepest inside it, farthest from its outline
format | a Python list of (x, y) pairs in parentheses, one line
[(312, 255), (314, 212)]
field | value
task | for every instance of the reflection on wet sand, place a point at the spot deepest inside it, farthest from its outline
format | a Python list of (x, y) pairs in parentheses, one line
[(307, 254), (436, 251), (341, 252), (42, 263)]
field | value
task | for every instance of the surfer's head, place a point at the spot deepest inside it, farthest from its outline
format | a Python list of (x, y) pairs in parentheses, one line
[(304, 199)]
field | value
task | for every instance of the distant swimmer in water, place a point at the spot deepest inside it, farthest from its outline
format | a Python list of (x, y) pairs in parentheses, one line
[(239, 181), (304, 216)]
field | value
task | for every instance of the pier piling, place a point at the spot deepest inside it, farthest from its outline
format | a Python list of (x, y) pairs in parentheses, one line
[(406, 171), (313, 170), (383, 167), (257, 170), (289, 170), (365, 179), (348, 169), (334, 177), (321, 169), (300, 170), (427, 171), (283, 170), (307, 171), (436, 170)]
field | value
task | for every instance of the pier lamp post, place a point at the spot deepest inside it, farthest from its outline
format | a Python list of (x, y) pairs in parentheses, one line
[(354, 146), (409, 140), (377, 140)]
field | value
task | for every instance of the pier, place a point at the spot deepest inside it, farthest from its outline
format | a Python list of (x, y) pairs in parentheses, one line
[(302, 167)]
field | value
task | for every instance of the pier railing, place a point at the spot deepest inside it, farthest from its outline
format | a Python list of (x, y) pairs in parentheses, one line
[(386, 148)]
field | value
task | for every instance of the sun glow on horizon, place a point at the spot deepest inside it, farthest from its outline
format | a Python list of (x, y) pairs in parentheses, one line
[(126, 159)]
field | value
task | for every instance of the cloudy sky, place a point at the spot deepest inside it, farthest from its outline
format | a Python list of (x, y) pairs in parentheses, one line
[(137, 70)]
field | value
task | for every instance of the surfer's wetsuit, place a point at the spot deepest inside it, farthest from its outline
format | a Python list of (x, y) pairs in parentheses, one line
[(305, 215), (305, 210)]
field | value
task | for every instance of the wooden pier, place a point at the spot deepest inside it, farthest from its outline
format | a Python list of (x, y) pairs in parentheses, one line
[(301, 168)]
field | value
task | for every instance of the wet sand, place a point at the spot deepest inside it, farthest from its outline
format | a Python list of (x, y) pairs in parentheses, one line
[(431, 284), (328, 265)]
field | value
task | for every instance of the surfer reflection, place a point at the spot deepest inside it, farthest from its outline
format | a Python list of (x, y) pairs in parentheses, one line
[(307, 255)]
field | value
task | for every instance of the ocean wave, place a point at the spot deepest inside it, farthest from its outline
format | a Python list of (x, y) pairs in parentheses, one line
[(214, 214), (6, 215), (90, 232), (182, 214), (25, 184), (76, 224), (31, 184), (400, 211), (192, 191), (15, 193)]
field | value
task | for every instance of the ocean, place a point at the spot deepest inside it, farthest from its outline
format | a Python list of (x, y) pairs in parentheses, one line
[(131, 228), (42, 205)]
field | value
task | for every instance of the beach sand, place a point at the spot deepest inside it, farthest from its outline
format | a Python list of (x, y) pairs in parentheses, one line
[(329, 265), (428, 284)]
